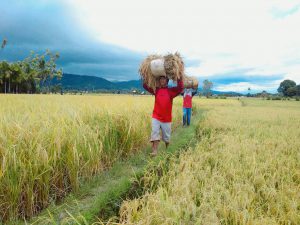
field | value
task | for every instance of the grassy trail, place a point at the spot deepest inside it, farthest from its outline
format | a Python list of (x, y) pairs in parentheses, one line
[(102, 195)]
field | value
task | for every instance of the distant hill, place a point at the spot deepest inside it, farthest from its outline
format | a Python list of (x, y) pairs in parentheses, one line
[(84, 82), (92, 83), (226, 93), (222, 92), (128, 85)]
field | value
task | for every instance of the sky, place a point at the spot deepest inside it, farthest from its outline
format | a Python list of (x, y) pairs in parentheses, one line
[(236, 44)]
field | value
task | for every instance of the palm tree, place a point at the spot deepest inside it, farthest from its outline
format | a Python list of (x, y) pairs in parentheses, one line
[(8, 77), (5, 74), (16, 76), (2, 76)]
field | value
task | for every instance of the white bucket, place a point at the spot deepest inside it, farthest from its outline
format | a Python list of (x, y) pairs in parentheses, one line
[(157, 67)]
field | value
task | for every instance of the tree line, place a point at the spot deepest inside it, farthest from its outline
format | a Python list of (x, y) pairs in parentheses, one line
[(32, 75)]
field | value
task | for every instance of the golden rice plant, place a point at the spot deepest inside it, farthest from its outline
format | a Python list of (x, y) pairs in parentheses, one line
[(244, 170), (50, 144)]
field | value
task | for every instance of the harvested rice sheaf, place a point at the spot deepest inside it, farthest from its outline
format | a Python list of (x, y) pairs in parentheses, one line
[(145, 71), (173, 65), (190, 82)]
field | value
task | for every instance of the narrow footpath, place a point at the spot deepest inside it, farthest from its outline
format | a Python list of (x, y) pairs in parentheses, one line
[(101, 196)]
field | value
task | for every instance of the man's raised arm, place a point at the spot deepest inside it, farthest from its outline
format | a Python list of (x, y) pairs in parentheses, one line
[(178, 89), (147, 88)]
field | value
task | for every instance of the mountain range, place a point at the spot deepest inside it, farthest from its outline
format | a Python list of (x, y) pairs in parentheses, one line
[(93, 83), (90, 83)]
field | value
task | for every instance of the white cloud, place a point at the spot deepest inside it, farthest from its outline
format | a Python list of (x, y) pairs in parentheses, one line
[(223, 35), (242, 87)]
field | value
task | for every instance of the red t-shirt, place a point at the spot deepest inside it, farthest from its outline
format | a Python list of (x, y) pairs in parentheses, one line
[(187, 97), (187, 101), (164, 100)]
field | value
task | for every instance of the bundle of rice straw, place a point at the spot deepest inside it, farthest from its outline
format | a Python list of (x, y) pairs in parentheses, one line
[(173, 69), (174, 66), (145, 71), (190, 82)]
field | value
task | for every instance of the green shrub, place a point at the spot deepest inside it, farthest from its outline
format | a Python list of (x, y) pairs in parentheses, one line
[(277, 98)]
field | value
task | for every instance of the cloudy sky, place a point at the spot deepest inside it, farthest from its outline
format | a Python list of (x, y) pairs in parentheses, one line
[(235, 43)]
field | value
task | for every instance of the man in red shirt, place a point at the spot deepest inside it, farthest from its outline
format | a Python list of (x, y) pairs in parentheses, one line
[(188, 94), (162, 112)]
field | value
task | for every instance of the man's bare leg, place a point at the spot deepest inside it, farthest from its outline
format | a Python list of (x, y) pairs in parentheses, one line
[(154, 147)]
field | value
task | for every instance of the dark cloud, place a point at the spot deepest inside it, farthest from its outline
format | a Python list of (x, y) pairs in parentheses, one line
[(33, 25), (48, 24)]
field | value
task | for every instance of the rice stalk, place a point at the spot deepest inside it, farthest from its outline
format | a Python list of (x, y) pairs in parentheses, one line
[(49, 145), (245, 170), (173, 65)]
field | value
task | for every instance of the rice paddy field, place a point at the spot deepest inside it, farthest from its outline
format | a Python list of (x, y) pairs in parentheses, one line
[(243, 169), (49, 143)]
